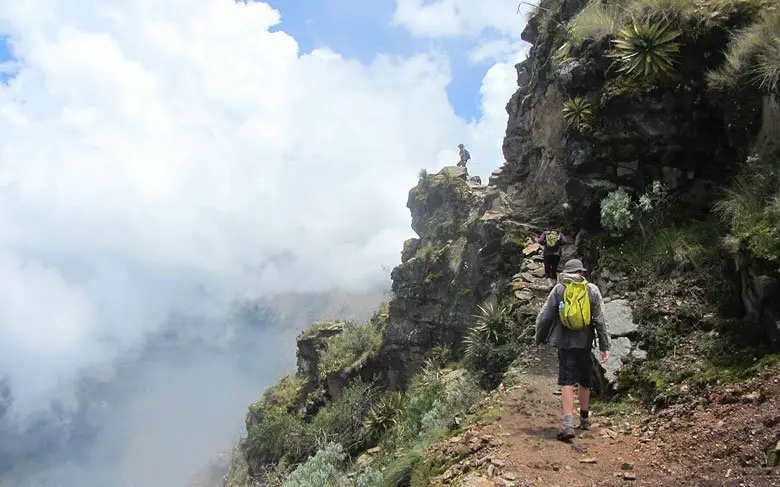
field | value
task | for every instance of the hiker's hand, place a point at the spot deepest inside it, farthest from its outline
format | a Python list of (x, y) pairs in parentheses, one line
[(604, 357)]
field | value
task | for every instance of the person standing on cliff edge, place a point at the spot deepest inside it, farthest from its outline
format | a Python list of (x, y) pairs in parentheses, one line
[(552, 240), (570, 320), (464, 156)]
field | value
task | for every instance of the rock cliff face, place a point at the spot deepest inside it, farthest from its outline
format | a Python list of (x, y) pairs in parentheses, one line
[(679, 133), (468, 248)]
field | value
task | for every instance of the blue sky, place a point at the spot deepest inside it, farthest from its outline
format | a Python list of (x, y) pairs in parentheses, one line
[(361, 29), (5, 55)]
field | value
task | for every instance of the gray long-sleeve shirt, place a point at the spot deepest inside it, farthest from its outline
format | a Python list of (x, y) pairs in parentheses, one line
[(549, 328)]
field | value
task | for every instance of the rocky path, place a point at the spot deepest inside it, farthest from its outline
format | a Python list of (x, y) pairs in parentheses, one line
[(526, 452)]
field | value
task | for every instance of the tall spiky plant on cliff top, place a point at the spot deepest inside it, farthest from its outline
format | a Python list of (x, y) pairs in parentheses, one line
[(646, 50)]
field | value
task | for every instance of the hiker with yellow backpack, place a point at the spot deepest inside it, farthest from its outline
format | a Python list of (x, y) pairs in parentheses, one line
[(570, 320), (552, 240)]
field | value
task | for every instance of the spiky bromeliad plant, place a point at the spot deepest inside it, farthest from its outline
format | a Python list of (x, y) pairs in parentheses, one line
[(577, 113), (490, 327), (646, 50), (385, 414)]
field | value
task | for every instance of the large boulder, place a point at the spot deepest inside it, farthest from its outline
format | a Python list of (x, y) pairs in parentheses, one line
[(620, 326), (619, 318)]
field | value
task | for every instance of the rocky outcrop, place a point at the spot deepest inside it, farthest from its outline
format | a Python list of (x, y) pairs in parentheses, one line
[(311, 344), (467, 247)]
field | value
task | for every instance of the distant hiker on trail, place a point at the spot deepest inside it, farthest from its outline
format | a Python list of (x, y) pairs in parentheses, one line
[(552, 240), (464, 156), (570, 320)]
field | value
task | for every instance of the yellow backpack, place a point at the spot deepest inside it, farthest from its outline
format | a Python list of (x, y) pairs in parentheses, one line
[(574, 308)]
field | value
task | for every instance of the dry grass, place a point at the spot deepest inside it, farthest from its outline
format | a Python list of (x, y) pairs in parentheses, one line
[(596, 21), (753, 55)]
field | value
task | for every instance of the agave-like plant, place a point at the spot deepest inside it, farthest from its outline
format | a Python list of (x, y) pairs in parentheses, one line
[(490, 327), (646, 50), (385, 414), (577, 113), (440, 355)]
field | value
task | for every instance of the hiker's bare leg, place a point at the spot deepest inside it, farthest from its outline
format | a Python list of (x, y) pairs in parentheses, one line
[(584, 394), (567, 398)]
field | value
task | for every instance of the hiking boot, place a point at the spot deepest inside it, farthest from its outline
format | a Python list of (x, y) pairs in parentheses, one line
[(584, 424), (566, 434)]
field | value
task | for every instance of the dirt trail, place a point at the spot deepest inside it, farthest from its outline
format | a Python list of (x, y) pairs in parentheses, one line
[(529, 454)]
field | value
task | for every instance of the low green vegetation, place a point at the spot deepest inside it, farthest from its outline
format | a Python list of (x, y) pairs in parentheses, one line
[(299, 447), (753, 56), (667, 250), (647, 37), (751, 207), (621, 212), (354, 346), (596, 21)]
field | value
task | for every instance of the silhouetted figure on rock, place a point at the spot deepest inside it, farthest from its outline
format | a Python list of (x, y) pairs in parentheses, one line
[(464, 156)]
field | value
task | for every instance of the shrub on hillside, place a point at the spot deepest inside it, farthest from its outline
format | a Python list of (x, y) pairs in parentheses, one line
[(621, 213), (342, 421), (752, 207), (321, 470), (278, 434), (370, 477), (357, 343), (617, 213), (456, 400)]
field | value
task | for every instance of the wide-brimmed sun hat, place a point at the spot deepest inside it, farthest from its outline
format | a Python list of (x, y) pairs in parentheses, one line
[(572, 266)]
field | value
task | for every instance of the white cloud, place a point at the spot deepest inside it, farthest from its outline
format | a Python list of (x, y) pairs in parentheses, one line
[(498, 85), (498, 51), (455, 18), (157, 156)]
